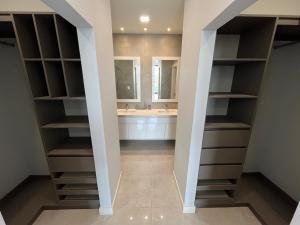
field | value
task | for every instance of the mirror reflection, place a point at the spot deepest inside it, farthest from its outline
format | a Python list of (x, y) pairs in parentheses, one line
[(165, 78), (127, 72)]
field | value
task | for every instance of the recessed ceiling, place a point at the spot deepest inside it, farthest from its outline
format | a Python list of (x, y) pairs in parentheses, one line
[(163, 14)]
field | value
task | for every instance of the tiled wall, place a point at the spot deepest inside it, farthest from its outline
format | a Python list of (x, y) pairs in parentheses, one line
[(146, 46)]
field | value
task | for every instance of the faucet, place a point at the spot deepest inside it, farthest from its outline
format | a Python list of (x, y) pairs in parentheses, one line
[(127, 107), (166, 107)]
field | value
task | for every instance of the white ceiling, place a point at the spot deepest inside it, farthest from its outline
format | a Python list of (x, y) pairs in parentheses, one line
[(163, 14)]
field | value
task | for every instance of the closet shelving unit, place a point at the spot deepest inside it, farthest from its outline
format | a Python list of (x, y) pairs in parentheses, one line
[(49, 49), (226, 136)]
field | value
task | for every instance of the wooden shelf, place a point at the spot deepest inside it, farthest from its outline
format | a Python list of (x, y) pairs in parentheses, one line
[(78, 189), (212, 195), (206, 185), (26, 35), (74, 77), (75, 178), (55, 77), (76, 146), (234, 61), (223, 122), (48, 98), (69, 122), (230, 95), (47, 35), (68, 38)]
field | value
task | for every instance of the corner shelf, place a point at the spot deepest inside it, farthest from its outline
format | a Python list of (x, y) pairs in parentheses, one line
[(68, 122)]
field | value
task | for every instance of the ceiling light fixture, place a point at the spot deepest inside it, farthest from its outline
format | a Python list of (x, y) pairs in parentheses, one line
[(169, 29), (145, 29), (122, 28), (144, 19)]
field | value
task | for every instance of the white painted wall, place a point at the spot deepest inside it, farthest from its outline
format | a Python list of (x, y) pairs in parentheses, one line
[(1, 220), (194, 84), (23, 6), (274, 7), (21, 150), (96, 49), (274, 145), (296, 218)]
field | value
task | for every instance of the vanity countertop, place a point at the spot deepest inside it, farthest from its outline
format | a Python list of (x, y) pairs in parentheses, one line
[(147, 112)]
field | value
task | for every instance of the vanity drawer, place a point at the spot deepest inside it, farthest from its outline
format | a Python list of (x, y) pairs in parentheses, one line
[(71, 164), (225, 138), (223, 155), (219, 172)]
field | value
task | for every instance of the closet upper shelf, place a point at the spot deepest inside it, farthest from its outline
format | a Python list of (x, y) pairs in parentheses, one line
[(48, 98), (234, 61), (288, 29)]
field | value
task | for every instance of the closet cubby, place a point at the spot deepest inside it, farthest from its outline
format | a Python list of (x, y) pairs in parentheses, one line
[(67, 38), (73, 73), (26, 35), (241, 53), (57, 87), (47, 37), (37, 78), (55, 77)]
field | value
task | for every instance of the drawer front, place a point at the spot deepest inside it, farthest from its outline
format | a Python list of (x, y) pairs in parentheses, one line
[(71, 164), (220, 172), (226, 138), (223, 155)]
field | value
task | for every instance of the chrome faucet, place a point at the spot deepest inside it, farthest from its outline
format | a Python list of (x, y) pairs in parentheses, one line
[(127, 107), (166, 107)]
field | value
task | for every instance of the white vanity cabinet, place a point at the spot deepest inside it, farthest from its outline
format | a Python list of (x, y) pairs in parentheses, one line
[(147, 127)]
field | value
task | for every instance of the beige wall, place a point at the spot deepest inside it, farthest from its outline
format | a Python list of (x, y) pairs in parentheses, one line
[(147, 46)]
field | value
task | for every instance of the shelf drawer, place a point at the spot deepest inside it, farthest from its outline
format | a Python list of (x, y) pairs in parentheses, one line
[(225, 138), (219, 172), (223, 156), (71, 164)]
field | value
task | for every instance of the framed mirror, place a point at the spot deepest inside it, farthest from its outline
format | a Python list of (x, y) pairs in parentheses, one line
[(165, 79), (128, 78)]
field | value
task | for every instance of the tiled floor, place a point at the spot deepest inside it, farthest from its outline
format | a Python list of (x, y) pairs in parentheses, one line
[(148, 195)]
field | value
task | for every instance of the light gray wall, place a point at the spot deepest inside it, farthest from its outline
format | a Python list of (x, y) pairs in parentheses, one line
[(146, 46), (21, 152), (274, 145)]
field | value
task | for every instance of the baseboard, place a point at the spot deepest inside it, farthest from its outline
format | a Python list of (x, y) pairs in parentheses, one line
[(185, 209), (118, 186), (281, 193), (105, 211)]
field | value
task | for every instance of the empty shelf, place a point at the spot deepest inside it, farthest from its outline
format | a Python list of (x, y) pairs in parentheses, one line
[(69, 122), (47, 98), (73, 147), (233, 61), (230, 95), (212, 195), (81, 197), (216, 185), (79, 187), (75, 178), (223, 122)]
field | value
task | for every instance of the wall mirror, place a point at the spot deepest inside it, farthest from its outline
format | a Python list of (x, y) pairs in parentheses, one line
[(165, 78), (127, 72)]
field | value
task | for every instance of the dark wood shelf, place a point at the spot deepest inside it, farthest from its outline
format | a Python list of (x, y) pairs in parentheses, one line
[(223, 122), (206, 185), (230, 95), (56, 79), (69, 122), (234, 61), (48, 98), (74, 78), (212, 195), (77, 189), (76, 146), (75, 178)]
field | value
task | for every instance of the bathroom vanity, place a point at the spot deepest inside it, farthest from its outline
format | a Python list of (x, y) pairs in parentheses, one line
[(154, 124)]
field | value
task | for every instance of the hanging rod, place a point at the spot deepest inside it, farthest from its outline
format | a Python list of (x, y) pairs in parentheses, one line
[(7, 43), (285, 44)]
